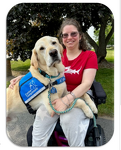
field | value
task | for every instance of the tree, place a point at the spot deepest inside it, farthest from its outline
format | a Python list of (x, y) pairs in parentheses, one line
[(48, 18), (21, 30), (107, 30), (102, 16)]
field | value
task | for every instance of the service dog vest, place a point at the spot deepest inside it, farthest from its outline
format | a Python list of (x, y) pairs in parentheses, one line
[(30, 87)]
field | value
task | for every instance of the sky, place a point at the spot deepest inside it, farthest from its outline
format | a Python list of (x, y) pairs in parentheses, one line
[(91, 32)]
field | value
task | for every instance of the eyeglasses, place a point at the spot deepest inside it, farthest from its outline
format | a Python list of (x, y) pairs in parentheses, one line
[(72, 34)]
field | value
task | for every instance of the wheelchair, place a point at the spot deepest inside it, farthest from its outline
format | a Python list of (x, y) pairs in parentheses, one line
[(95, 134)]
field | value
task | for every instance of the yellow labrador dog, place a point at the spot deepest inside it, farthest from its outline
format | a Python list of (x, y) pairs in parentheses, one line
[(46, 57)]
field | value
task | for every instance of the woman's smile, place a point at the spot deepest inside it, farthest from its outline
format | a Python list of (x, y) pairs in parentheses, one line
[(71, 37)]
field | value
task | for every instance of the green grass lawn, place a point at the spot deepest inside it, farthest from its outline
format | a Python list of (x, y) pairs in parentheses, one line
[(7, 83), (23, 66), (104, 76), (110, 55), (20, 66)]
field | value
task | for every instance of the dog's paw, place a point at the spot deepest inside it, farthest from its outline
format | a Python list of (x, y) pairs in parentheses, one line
[(95, 110), (52, 113), (93, 107), (89, 113)]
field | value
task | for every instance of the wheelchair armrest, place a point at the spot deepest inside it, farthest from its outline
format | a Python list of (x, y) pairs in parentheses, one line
[(99, 93)]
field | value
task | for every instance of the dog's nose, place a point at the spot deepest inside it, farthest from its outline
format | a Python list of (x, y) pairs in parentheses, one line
[(53, 53)]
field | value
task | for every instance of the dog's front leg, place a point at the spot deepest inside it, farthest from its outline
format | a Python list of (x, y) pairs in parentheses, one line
[(82, 105), (65, 92), (90, 103), (52, 98)]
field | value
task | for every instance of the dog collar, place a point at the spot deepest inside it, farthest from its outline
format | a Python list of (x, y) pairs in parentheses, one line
[(46, 75)]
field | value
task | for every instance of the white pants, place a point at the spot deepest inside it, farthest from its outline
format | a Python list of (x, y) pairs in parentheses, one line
[(74, 124)]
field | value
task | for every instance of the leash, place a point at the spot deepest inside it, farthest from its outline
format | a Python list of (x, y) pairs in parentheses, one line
[(67, 110), (53, 90), (94, 119), (60, 112)]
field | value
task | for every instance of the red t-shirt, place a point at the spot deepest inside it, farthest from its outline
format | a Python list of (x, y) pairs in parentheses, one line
[(74, 68)]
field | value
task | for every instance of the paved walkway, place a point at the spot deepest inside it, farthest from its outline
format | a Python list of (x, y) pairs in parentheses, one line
[(17, 129)]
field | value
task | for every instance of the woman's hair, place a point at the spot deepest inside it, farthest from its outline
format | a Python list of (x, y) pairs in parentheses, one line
[(70, 21)]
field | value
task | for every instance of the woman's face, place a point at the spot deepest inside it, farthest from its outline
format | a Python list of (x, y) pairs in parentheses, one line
[(70, 37)]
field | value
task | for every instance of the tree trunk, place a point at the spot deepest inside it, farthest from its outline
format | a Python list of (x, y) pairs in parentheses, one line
[(101, 52), (8, 67), (103, 41)]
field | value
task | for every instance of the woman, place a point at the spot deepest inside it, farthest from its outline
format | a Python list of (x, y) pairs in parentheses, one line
[(80, 70)]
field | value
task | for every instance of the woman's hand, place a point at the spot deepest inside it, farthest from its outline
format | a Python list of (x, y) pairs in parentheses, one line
[(59, 105), (14, 81)]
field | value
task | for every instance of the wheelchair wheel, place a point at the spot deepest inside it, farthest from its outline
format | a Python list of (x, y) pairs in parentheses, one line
[(29, 136), (100, 140), (95, 137)]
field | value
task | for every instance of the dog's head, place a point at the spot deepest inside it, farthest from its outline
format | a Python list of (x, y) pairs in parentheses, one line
[(46, 53)]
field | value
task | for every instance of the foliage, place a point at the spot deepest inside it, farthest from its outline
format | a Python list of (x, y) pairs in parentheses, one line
[(7, 83), (27, 22)]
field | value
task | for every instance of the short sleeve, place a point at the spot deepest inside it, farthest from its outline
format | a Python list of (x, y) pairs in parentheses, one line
[(91, 61)]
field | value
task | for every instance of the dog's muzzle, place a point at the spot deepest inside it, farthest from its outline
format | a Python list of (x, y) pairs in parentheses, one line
[(54, 55)]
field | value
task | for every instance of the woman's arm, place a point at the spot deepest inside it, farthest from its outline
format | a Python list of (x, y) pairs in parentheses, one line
[(14, 81), (87, 80)]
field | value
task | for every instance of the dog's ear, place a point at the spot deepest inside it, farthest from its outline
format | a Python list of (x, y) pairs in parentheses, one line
[(34, 60), (61, 49)]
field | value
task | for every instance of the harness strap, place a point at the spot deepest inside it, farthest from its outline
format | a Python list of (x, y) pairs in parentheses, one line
[(30, 110), (58, 81)]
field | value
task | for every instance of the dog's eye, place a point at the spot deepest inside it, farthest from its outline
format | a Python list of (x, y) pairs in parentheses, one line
[(42, 48), (53, 42)]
